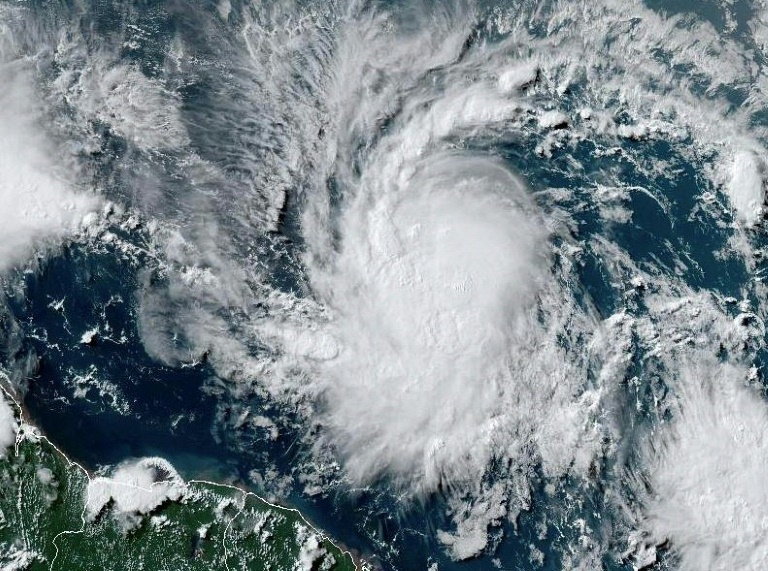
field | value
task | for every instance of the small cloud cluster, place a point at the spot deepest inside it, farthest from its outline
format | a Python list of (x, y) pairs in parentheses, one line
[(135, 488)]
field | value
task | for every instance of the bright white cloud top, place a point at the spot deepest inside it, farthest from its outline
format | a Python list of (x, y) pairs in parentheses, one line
[(9, 427), (708, 470), (136, 488), (433, 345), (35, 191), (747, 188), (431, 290)]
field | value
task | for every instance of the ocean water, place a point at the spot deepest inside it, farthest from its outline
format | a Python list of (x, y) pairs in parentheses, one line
[(232, 141), (176, 412)]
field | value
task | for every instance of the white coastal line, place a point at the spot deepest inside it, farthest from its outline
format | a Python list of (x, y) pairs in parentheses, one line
[(38, 434)]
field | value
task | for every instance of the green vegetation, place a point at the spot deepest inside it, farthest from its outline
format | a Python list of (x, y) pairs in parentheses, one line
[(44, 525)]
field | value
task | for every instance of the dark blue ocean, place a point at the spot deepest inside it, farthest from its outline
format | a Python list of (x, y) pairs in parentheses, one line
[(184, 411)]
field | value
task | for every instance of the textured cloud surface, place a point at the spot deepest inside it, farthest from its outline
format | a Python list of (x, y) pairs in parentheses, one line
[(432, 286), (136, 487), (8, 425), (746, 187), (436, 350), (37, 197), (709, 468)]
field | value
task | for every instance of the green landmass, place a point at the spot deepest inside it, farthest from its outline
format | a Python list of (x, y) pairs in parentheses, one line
[(211, 527)]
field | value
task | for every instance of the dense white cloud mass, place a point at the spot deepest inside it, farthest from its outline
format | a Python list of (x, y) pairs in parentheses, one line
[(436, 347), (746, 187), (36, 191), (136, 487), (707, 474), (9, 427), (432, 291), (440, 319), (438, 328), (38, 199)]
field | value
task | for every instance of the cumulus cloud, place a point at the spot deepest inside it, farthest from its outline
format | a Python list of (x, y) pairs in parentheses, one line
[(518, 77), (138, 108), (707, 473), (310, 551), (136, 488)]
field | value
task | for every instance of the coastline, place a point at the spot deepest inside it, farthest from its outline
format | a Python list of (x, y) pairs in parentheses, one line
[(27, 431)]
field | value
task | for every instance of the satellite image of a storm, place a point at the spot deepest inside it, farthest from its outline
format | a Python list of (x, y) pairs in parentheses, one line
[(383, 285)]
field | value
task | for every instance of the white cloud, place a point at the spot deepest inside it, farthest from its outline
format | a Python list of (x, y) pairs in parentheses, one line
[(472, 521), (518, 77), (310, 550), (37, 196), (431, 289), (551, 119), (436, 346), (424, 357), (136, 487), (707, 473), (136, 107), (746, 187), (414, 349), (9, 427)]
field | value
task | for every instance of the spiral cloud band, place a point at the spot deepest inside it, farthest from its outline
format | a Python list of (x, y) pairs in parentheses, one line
[(438, 270), (430, 287)]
